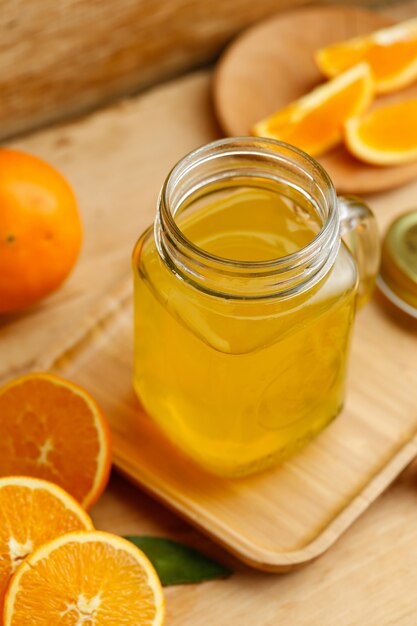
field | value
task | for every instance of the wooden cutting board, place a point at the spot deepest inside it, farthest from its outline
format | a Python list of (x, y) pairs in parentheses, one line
[(271, 65), (285, 517)]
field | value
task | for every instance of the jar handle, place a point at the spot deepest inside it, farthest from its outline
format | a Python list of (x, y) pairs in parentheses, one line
[(359, 231)]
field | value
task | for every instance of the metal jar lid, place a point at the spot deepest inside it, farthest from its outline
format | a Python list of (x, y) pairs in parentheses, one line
[(398, 274)]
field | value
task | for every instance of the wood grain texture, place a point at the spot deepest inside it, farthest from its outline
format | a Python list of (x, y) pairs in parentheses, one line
[(60, 57), (253, 80), (368, 578)]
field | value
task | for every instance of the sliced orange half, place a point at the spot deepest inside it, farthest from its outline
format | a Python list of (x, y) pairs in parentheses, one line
[(88, 578), (387, 136), (53, 429), (391, 53), (314, 123), (32, 512)]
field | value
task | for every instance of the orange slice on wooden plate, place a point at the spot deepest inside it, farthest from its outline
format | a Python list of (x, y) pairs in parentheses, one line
[(90, 578), (386, 136), (53, 429), (314, 123), (33, 512), (391, 53)]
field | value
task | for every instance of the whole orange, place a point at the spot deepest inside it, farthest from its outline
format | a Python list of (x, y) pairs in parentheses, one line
[(40, 229)]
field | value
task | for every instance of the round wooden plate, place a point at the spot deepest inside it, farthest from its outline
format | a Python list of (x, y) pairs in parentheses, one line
[(272, 64)]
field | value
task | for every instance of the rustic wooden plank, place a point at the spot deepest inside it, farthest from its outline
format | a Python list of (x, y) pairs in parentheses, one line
[(60, 58), (63, 57)]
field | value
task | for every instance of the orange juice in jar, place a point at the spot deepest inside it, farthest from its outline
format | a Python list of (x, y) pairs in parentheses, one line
[(245, 297)]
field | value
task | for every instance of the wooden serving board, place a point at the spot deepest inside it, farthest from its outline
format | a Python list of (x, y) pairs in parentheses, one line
[(271, 65), (289, 515)]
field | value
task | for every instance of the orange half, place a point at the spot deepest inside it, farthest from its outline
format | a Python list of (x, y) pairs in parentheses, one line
[(314, 123), (391, 54), (53, 429), (387, 136), (32, 512), (89, 578)]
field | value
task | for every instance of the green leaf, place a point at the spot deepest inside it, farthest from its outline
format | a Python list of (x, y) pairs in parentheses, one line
[(178, 564)]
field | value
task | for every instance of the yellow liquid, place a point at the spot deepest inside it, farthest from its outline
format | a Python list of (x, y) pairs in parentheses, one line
[(239, 385)]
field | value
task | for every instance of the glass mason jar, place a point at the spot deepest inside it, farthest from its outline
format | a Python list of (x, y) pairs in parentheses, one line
[(245, 295)]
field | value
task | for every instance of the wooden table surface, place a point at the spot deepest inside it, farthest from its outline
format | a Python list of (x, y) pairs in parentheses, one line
[(369, 578)]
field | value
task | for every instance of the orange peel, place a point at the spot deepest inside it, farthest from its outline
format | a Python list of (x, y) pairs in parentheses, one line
[(391, 54), (385, 136), (314, 123)]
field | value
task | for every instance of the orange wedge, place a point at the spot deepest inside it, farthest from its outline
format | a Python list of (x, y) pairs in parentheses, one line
[(314, 123), (32, 512), (85, 578), (387, 136), (391, 53), (53, 429)]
